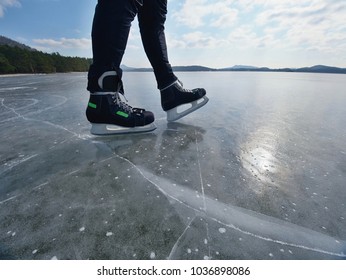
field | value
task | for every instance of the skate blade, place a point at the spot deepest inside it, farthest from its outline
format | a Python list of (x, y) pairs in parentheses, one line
[(102, 129), (174, 114)]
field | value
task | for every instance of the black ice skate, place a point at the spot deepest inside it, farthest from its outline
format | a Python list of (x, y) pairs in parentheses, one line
[(108, 114), (173, 96)]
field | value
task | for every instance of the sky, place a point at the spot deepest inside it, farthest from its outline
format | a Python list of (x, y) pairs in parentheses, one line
[(212, 33)]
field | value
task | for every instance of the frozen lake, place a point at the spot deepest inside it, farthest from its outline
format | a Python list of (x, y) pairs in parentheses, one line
[(258, 173)]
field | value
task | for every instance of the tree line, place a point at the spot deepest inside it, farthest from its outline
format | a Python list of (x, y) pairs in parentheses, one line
[(15, 60)]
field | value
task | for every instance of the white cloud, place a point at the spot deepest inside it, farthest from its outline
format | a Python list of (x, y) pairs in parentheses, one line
[(282, 33), (63, 43), (197, 13), (200, 40), (174, 43), (307, 25), (242, 34), (64, 46), (7, 3), (195, 40)]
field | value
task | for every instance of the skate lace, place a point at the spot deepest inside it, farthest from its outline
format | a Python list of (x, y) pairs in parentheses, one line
[(122, 104), (180, 85)]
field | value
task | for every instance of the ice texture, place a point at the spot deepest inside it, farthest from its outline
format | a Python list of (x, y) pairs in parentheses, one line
[(258, 173)]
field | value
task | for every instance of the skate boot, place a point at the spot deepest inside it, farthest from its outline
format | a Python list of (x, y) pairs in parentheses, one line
[(109, 114), (173, 96)]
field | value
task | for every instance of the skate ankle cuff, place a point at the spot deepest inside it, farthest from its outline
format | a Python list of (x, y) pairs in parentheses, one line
[(99, 93), (107, 81), (176, 81)]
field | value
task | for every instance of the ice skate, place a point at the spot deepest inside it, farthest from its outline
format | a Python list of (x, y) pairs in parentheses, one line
[(110, 115), (174, 96)]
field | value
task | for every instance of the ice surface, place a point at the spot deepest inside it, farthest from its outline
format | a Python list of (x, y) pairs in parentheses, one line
[(258, 173)]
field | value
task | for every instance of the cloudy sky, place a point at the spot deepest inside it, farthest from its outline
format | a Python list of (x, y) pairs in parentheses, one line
[(214, 33)]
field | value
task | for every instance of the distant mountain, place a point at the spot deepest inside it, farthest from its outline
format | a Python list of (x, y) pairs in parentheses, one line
[(192, 68), (243, 68), (9, 42), (239, 67), (4, 41), (126, 68), (322, 69), (313, 69)]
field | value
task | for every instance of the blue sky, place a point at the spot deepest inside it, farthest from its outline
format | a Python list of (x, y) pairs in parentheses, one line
[(214, 33)]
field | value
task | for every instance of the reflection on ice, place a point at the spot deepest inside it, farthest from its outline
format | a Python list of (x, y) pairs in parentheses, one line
[(260, 162)]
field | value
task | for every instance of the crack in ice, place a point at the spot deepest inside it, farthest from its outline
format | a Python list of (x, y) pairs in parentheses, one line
[(25, 117), (203, 193), (175, 246), (16, 162), (249, 222), (9, 199)]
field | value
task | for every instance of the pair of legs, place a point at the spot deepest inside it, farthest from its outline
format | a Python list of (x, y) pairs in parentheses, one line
[(111, 27)]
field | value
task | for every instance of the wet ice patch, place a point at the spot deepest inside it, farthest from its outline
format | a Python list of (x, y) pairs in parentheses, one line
[(259, 161)]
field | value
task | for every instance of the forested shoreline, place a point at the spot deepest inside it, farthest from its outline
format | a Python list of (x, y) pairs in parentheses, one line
[(15, 60)]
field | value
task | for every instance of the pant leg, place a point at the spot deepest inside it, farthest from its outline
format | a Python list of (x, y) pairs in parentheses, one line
[(152, 17), (110, 32)]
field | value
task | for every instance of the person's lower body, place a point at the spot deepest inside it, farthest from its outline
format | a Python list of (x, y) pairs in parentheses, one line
[(152, 17), (107, 113), (111, 27)]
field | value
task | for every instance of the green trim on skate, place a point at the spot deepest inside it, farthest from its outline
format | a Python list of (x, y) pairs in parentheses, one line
[(122, 114), (92, 105)]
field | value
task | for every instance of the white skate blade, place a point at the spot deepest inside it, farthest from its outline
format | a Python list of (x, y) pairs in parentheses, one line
[(174, 114), (110, 129)]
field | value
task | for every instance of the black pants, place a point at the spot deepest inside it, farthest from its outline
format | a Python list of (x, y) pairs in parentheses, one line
[(110, 31)]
